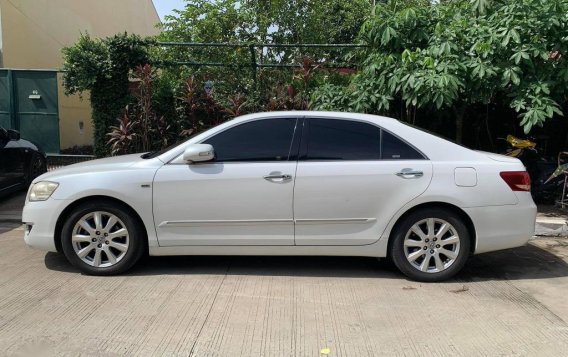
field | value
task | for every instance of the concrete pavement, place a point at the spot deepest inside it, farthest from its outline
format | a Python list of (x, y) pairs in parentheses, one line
[(11, 207), (509, 303), (551, 222)]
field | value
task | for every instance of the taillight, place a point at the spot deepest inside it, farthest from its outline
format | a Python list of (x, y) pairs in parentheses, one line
[(517, 180)]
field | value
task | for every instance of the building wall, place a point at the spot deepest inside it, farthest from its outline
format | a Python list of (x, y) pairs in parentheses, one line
[(1, 60), (34, 32)]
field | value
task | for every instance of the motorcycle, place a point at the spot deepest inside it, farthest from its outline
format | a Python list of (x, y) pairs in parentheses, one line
[(547, 184), (561, 169)]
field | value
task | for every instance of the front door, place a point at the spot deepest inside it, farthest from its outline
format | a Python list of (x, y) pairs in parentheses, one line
[(243, 197), (353, 177)]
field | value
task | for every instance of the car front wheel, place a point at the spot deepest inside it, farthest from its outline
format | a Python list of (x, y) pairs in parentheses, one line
[(102, 238), (430, 245)]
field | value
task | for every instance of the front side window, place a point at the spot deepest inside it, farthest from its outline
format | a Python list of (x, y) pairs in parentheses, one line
[(260, 140), (335, 139)]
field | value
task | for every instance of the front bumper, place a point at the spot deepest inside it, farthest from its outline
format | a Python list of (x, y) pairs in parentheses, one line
[(503, 227), (40, 219)]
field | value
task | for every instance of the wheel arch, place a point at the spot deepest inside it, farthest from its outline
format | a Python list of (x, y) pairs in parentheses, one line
[(440, 205), (67, 211)]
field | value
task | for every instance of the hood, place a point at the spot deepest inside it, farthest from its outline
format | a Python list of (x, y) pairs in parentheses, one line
[(499, 157), (99, 165), (22, 143)]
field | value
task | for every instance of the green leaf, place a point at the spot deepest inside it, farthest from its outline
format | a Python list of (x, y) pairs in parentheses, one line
[(388, 33), (516, 57), (515, 35), (545, 89), (505, 40)]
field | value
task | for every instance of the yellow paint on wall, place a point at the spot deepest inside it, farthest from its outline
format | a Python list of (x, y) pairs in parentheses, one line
[(74, 110), (34, 32)]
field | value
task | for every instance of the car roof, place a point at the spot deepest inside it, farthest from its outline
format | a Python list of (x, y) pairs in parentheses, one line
[(315, 114)]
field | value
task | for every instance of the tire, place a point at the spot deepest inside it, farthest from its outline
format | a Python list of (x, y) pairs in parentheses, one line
[(422, 257), (109, 249), (36, 167)]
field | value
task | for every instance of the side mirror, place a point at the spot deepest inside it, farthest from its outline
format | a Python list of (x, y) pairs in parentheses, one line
[(198, 153), (13, 135)]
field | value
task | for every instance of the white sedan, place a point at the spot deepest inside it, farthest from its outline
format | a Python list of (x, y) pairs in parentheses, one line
[(288, 183)]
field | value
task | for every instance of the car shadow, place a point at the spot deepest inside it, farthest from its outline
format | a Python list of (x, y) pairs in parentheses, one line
[(12, 194), (528, 262), (12, 202), (7, 226)]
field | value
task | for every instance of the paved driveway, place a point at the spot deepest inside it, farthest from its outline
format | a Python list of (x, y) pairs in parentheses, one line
[(11, 207), (506, 303)]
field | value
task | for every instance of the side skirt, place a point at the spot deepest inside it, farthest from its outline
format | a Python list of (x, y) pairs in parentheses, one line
[(377, 249)]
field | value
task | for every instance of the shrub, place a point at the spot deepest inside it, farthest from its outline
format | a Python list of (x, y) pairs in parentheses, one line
[(102, 66)]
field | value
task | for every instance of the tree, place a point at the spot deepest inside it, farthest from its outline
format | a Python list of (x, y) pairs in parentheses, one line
[(253, 22), (453, 55), (102, 66)]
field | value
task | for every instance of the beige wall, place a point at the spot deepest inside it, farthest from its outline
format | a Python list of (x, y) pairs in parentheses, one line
[(34, 31)]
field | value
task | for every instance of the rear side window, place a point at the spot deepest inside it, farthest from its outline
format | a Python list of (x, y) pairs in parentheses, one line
[(333, 139), (395, 149), (336, 139), (260, 140)]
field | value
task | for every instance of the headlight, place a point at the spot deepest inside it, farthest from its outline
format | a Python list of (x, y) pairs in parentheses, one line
[(42, 190)]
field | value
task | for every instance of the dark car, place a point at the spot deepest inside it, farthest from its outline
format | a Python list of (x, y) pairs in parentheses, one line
[(20, 162)]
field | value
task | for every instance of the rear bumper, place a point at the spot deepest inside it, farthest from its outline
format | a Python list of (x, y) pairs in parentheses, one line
[(40, 219), (502, 227)]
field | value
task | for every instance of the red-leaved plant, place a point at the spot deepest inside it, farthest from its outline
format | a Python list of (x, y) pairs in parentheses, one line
[(305, 74), (140, 129), (236, 106), (123, 136), (190, 106)]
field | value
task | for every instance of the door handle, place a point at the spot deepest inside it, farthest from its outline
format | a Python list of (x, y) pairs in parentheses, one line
[(278, 177), (409, 173)]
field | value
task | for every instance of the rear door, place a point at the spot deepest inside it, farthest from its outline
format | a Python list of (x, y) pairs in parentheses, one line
[(352, 177)]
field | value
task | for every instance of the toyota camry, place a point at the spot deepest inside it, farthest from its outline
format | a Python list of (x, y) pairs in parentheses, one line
[(288, 183)]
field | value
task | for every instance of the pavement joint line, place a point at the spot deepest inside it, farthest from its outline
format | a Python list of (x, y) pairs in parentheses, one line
[(210, 309)]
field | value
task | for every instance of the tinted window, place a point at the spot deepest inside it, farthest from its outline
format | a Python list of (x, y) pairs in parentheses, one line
[(396, 149), (261, 140), (330, 139)]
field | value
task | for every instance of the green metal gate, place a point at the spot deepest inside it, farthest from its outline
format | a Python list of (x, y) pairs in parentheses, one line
[(5, 100), (29, 103)]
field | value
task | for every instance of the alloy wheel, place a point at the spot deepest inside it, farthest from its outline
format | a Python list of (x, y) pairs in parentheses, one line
[(100, 239), (37, 167), (431, 245)]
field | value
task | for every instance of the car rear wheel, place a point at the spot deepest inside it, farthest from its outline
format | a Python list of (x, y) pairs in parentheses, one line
[(430, 245), (102, 238)]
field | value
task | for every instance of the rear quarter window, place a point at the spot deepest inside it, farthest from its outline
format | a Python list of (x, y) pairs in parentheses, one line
[(394, 148)]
